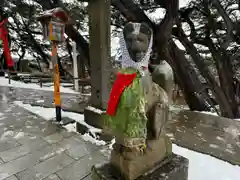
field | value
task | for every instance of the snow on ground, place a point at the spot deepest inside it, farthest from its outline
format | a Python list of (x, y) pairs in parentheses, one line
[(205, 167), (50, 114), (18, 84), (178, 107), (207, 112), (213, 114)]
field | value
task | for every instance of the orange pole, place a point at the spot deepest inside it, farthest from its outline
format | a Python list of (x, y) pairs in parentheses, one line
[(57, 98)]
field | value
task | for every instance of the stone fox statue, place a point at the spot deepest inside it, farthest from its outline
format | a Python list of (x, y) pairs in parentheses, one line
[(138, 107)]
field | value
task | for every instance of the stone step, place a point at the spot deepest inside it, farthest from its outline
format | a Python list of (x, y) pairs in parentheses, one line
[(65, 121), (82, 129)]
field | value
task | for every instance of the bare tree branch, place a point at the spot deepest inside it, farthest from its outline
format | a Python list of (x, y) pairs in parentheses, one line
[(228, 22)]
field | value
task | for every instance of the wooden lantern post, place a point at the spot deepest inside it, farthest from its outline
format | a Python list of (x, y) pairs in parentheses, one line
[(53, 22), (57, 97)]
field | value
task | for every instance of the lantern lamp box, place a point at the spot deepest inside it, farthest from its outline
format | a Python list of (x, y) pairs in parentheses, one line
[(55, 31), (53, 22)]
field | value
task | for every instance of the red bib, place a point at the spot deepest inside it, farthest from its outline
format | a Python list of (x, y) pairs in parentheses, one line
[(122, 81)]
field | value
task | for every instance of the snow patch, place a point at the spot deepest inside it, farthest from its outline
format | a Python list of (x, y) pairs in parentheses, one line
[(45, 113), (207, 112), (216, 169), (70, 127), (110, 146), (40, 101), (95, 109), (178, 107), (7, 134), (89, 138), (19, 135), (213, 114), (49, 114)]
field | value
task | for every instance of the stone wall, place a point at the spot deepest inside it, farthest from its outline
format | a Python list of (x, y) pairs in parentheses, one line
[(206, 133)]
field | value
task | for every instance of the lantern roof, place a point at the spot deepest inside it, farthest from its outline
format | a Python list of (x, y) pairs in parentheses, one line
[(57, 13)]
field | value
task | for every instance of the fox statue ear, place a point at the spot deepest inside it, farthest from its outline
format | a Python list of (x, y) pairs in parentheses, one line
[(142, 27), (146, 29)]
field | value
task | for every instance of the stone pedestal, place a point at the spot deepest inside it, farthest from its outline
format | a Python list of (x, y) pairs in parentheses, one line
[(133, 164), (93, 116), (175, 169), (99, 47)]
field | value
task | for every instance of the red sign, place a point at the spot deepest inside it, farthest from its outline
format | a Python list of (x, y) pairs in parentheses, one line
[(4, 38)]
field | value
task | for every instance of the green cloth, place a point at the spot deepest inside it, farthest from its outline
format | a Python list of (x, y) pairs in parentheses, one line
[(130, 119)]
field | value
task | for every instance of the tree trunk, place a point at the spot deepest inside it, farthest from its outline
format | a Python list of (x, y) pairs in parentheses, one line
[(188, 79), (81, 68), (218, 92), (226, 77)]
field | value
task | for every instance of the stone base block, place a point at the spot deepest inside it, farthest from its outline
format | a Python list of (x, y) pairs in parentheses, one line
[(175, 169), (93, 116), (134, 164)]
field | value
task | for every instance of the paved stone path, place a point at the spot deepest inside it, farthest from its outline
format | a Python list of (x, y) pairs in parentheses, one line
[(70, 102), (34, 149)]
